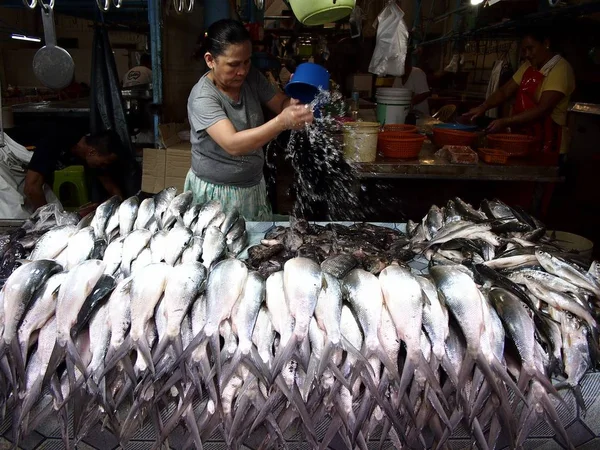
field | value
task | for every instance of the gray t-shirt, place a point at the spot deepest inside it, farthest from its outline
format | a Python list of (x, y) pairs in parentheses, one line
[(207, 105)]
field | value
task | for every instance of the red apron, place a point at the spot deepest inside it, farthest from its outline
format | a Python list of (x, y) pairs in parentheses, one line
[(548, 132)]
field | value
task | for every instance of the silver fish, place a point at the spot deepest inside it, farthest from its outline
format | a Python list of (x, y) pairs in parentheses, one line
[(193, 252), (213, 247), (113, 256), (103, 213), (236, 230), (206, 215), (41, 311), (177, 208), (162, 200), (191, 215), (158, 246), (435, 318), (53, 242), (80, 247), (217, 220), (134, 243), (128, 212), (175, 243), (143, 259), (230, 219), (144, 214), (567, 271), (119, 313), (112, 226)]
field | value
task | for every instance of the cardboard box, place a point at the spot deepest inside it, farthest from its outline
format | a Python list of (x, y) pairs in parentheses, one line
[(361, 82), (178, 162), (153, 170)]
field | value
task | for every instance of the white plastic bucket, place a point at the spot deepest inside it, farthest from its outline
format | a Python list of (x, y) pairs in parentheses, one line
[(360, 141), (393, 105)]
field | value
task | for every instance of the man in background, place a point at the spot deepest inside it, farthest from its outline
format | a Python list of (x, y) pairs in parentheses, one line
[(139, 75), (97, 153), (415, 80)]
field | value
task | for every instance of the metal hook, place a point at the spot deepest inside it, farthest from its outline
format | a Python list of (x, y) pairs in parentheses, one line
[(45, 6), (178, 6), (31, 5), (190, 5), (104, 7), (117, 3)]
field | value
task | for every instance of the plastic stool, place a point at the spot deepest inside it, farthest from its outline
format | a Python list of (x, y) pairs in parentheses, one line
[(73, 178)]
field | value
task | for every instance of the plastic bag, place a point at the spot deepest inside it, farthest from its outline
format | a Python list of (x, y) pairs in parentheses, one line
[(458, 154), (392, 42)]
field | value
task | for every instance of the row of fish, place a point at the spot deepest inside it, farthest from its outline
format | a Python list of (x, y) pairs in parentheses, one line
[(129, 235), (338, 332)]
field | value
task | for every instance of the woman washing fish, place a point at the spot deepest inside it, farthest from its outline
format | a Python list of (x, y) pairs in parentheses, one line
[(228, 129), (542, 88)]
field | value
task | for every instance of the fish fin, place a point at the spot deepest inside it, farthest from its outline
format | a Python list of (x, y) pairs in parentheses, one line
[(187, 352), (74, 355), (284, 355), (437, 405), (159, 350), (242, 409), (192, 425), (365, 410), (295, 399), (449, 369), (433, 382), (177, 415), (259, 364), (230, 368), (408, 372), (272, 400), (455, 419), (555, 422), (119, 354), (388, 363), (171, 381), (57, 356), (144, 349), (339, 375), (334, 427), (494, 432), (215, 350), (500, 370), (13, 353), (527, 423)]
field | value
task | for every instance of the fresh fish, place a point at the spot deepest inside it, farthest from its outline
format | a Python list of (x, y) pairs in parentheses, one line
[(143, 259), (113, 256), (206, 215), (237, 229), (467, 211), (53, 242), (175, 243), (112, 225), (144, 214), (18, 295), (40, 312), (451, 214), (98, 297), (158, 246), (133, 244), (80, 247), (302, 283), (183, 287), (146, 289), (435, 317), (193, 252), (119, 314), (128, 212), (263, 336), (177, 208), (217, 220), (433, 221), (191, 215), (231, 218), (99, 340), (100, 246), (103, 214), (339, 265), (162, 200), (563, 269), (213, 247), (237, 246)]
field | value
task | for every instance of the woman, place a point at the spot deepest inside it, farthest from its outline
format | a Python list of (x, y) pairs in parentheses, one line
[(542, 87), (228, 127)]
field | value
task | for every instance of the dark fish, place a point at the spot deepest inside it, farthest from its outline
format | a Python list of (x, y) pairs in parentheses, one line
[(258, 254), (97, 298), (99, 249), (339, 265)]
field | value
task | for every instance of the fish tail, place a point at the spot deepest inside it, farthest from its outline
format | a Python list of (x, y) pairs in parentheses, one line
[(31, 397), (230, 368), (243, 407), (13, 353), (454, 421), (388, 363), (194, 343), (261, 368), (296, 400), (276, 429), (437, 405), (408, 372), (464, 376), (75, 357), (57, 356), (550, 389), (159, 350), (339, 375), (325, 359), (365, 410), (432, 379), (192, 426), (332, 430), (494, 432), (527, 423), (267, 407), (177, 415), (215, 350), (449, 369), (500, 370), (171, 381), (555, 422), (144, 349), (284, 355), (385, 432), (119, 354)]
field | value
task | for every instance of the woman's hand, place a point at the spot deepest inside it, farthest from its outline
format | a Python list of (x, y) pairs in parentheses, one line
[(476, 112), (498, 126), (295, 116)]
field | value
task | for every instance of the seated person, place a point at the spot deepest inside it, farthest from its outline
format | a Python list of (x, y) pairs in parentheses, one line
[(96, 153)]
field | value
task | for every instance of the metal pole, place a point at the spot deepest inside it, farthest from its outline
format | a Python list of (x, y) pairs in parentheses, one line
[(155, 20)]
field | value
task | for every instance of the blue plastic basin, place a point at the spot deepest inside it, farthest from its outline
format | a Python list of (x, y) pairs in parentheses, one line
[(307, 81), (456, 126)]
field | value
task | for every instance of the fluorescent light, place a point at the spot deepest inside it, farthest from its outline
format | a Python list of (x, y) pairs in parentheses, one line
[(476, 2), (22, 37)]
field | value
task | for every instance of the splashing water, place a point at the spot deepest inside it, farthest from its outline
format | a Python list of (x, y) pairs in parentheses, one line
[(323, 180)]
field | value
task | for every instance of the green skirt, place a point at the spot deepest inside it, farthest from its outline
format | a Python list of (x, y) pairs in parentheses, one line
[(252, 202)]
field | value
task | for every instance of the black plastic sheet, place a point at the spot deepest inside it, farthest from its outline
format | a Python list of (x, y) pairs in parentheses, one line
[(107, 112)]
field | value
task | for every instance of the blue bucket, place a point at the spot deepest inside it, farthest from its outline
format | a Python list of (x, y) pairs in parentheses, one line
[(307, 81), (456, 126)]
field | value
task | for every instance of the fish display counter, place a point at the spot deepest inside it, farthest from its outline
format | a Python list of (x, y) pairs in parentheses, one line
[(163, 323)]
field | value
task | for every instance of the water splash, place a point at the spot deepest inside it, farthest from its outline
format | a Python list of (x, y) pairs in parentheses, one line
[(324, 183)]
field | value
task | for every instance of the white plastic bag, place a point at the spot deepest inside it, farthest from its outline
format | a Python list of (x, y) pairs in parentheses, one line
[(392, 42)]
